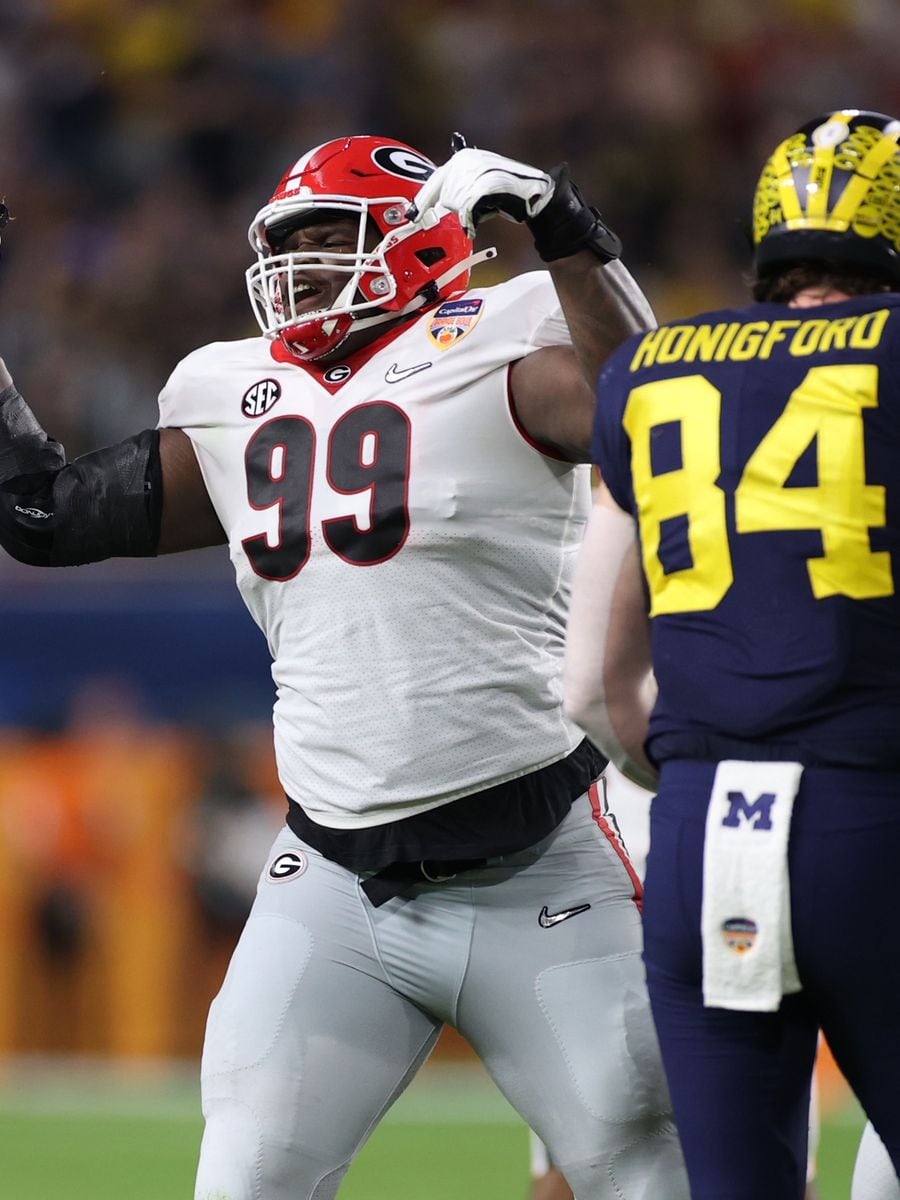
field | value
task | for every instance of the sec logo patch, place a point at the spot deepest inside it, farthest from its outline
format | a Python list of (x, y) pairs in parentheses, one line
[(260, 398), (287, 866)]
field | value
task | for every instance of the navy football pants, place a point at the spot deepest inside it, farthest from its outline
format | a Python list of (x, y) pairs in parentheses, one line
[(740, 1081)]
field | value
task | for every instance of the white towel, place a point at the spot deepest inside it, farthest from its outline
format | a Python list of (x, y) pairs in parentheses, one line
[(748, 949)]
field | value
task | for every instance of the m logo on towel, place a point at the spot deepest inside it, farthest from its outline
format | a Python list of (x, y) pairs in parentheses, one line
[(745, 916), (758, 814)]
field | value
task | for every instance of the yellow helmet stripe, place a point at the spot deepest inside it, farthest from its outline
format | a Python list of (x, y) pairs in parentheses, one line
[(787, 192), (855, 191), (819, 181)]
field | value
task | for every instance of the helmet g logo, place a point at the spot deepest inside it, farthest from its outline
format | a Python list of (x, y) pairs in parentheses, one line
[(260, 398), (399, 160)]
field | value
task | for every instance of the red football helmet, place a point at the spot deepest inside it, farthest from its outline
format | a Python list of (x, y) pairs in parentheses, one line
[(414, 263)]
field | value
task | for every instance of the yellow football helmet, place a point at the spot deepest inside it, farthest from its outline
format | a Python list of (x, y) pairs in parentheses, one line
[(832, 191)]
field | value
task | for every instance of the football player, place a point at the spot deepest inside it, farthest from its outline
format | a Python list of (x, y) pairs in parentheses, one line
[(631, 806), (399, 468), (745, 545)]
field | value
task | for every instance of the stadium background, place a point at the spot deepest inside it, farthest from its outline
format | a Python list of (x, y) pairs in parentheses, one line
[(137, 139)]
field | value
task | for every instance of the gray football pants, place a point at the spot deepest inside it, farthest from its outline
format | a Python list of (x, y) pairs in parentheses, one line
[(330, 1006)]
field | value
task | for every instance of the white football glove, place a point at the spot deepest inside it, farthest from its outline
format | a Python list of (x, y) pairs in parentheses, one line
[(477, 184)]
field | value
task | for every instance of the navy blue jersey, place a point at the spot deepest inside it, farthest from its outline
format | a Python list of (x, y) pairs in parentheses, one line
[(759, 450)]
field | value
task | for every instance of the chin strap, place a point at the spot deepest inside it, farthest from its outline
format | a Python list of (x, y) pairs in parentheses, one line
[(466, 265)]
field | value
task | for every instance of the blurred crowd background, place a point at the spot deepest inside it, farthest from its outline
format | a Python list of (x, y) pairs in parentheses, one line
[(137, 140), (139, 137)]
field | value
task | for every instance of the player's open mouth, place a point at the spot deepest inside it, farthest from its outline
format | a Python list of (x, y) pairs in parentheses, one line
[(306, 299)]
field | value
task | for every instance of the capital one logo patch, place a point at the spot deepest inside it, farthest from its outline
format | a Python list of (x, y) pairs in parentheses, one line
[(260, 398), (453, 320), (757, 813), (287, 866)]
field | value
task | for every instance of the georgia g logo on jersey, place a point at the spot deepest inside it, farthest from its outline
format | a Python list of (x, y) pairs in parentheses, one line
[(260, 398), (401, 161)]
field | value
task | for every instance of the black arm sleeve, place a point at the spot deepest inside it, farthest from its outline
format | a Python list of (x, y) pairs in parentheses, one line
[(57, 514)]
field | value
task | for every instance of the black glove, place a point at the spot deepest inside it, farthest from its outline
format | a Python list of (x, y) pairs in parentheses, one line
[(566, 224)]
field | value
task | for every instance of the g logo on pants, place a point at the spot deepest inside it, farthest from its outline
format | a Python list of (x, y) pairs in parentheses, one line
[(287, 865)]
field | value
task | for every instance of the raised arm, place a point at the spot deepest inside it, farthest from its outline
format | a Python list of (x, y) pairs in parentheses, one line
[(141, 497), (553, 388), (603, 306)]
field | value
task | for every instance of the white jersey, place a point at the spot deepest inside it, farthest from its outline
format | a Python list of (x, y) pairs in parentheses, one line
[(405, 549)]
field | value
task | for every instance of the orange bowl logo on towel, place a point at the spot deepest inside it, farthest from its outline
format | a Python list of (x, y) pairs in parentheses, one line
[(739, 934)]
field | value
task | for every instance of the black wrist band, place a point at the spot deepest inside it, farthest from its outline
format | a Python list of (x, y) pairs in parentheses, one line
[(567, 225)]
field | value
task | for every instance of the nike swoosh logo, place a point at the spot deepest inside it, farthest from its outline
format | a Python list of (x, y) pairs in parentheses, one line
[(547, 919), (395, 374)]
